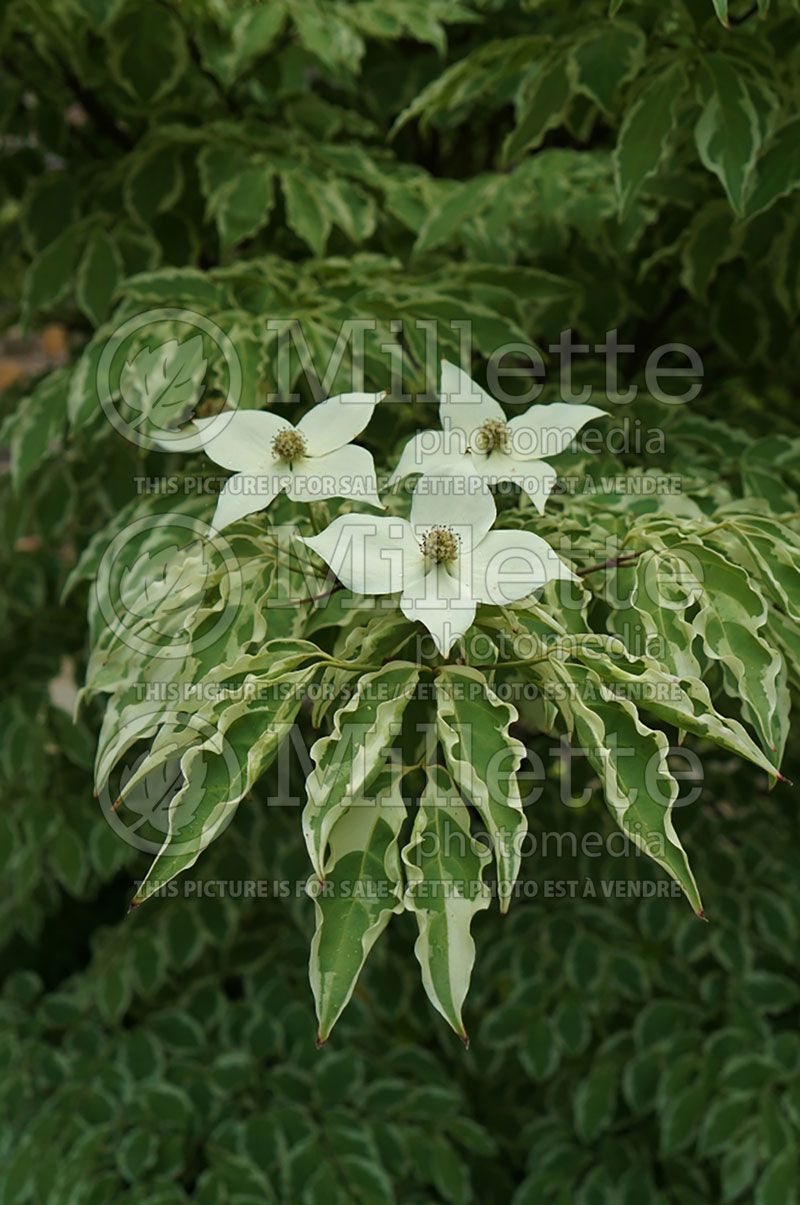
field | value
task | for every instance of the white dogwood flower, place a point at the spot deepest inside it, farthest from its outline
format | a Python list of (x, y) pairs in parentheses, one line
[(477, 440), (442, 562), (311, 461)]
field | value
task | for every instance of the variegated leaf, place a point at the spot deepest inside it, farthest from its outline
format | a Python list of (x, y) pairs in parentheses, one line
[(218, 772), (444, 867), (361, 888), (347, 761), (483, 758), (631, 761), (685, 703)]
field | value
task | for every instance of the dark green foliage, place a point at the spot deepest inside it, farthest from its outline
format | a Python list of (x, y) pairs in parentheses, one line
[(619, 1045)]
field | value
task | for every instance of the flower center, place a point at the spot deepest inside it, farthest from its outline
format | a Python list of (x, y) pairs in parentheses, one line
[(289, 445), (493, 434), (440, 544)]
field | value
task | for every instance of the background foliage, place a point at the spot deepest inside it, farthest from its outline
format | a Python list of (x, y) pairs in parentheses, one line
[(534, 166)]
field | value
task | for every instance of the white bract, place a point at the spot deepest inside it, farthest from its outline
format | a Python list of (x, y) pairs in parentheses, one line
[(443, 562), (478, 441), (311, 461)]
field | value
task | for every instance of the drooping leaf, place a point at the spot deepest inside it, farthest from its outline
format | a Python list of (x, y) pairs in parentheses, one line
[(721, 9), (647, 132), (444, 866), (685, 703), (730, 129), (731, 614), (710, 240), (776, 172), (218, 772), (99, 273), (347, 761), (483, 759), (630, 760), (354, 899), (541, 105)]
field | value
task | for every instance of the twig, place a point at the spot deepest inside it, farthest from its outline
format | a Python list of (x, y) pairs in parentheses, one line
[(312, 598), (625, 559)]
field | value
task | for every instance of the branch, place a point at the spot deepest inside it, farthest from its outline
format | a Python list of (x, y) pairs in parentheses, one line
[(312, 598), (625, 558)]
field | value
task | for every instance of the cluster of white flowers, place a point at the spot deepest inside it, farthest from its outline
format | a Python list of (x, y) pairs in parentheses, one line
[(445, 559)]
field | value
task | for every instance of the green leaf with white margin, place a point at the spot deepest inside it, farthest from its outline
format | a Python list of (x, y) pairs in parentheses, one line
[(352, 209), (660, 598), (785, 633), (711, 240), (721, 9), (604, 57), (243, 204), (732, 610), (130, 718), (49, 276), (163, 383), (350, 758), (99, 273), (83, 398), (465, 200), (777, 170), (687, 704), (728, 133), (763, 545), (219, 771), (255, 33), (646, 135), (541, 105), (354, 901), (146, 59), (153, 183), (37, 422), (483, 759), (369, 643), (630, 760), (444, 868), (305, 213)]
